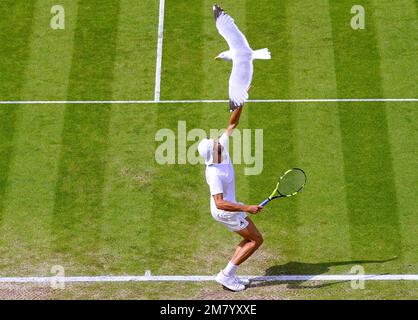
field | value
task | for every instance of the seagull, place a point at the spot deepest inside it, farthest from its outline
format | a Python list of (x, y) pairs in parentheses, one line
[(241, 55)]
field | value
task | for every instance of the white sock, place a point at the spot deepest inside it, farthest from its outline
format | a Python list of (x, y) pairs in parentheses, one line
[(230, 269)]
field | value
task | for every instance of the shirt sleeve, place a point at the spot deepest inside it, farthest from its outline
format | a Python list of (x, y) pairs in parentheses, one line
[(215, 185)]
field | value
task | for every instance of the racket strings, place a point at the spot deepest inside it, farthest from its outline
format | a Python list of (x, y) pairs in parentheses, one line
[(291, 182)]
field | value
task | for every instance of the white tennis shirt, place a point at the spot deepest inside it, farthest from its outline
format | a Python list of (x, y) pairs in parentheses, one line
[(220, 176)]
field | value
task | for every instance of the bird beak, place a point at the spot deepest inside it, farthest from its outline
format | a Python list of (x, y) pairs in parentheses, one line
[(217, 57)]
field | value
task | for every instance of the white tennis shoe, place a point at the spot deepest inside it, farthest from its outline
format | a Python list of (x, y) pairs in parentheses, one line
[(232, 283), (243, 281)]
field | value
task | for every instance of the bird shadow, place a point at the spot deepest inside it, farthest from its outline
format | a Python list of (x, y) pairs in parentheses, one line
[(299, 268)]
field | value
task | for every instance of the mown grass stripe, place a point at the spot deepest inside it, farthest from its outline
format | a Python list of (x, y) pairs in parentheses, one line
[(85, 137), (7, 126), (369, 177), (15, 30), (322, 209), (279, 220), (182, 34), (30, 197), (48, 71), (398, 71), (128, 195), (271, 77), (136, 50), (174, 218)]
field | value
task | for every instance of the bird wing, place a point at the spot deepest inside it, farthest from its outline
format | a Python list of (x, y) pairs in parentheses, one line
[(228, 29), (242, 70), (240, 80)]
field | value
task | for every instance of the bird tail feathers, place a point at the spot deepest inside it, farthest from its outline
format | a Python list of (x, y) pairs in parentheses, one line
[(262, 54)]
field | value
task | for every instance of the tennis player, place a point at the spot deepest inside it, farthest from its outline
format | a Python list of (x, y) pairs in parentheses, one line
[(224, 207)]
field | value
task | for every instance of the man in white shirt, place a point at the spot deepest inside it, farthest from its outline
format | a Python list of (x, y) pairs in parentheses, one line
[(224, 207)]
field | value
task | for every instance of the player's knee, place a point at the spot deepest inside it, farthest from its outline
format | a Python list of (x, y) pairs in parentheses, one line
[(258, 240)]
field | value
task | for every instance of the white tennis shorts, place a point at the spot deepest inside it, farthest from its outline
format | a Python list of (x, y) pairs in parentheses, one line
[(234, 221)]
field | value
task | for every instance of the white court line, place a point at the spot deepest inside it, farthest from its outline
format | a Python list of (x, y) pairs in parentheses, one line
[(149, 278), (159, 52), (47, 102)]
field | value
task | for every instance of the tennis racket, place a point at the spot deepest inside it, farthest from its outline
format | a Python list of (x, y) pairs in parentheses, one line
[(290, 183)]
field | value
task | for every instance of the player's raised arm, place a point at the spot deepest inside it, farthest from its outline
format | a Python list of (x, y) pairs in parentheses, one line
[(234, 120)]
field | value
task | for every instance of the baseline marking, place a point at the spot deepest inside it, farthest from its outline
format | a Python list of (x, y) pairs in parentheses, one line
[(47, 102), (191, 278), (159, 52)]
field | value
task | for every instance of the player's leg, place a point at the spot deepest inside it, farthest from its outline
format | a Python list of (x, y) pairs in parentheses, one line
[(252, 241), (239, 247)]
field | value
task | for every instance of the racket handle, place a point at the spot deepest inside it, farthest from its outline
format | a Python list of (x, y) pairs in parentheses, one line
[(262, 204)]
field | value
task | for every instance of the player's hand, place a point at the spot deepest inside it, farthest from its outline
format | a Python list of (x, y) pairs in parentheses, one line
[(254, 209)]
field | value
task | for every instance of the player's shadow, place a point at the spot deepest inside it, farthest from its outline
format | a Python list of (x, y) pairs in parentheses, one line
[(301, 268)]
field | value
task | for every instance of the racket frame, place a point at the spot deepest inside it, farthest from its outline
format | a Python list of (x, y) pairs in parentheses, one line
[(276, 193)]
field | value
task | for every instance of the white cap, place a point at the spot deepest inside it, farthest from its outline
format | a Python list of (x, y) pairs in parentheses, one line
[(205, 149)]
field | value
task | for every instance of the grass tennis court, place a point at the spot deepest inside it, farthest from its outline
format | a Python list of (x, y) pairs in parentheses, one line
[(80, 186)]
